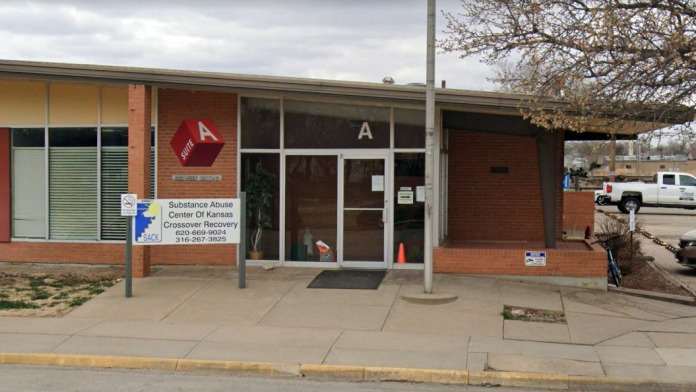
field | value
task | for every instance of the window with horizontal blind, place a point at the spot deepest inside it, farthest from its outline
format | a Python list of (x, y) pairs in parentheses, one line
[(72, 185), (114, 180)]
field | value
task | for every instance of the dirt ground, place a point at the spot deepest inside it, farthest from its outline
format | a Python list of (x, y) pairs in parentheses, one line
[(643, 276), (638, 273), (534, 315), (667, 224), (51, 290)]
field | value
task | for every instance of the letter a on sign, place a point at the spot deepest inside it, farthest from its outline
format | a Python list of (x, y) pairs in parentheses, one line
[(197, 142), (204, 132), (365, 131)]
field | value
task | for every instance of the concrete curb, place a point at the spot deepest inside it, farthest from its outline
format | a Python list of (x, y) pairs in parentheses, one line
[(345, 372), (677, 299)]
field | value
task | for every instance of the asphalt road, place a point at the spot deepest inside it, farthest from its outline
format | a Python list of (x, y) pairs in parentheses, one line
[(668, 224), (45, 379)]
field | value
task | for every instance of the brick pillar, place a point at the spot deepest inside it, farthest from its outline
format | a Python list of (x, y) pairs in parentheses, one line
[(139, 123), (549, 177), (5, 183)]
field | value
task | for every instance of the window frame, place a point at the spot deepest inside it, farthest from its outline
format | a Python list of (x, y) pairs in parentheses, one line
[(46, 126), (391, 150)]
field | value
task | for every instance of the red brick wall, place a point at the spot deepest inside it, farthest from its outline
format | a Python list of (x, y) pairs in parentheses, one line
[(62, 252), (581, 260), (5, 195), (174, 106), (487, 206), (578, 212)]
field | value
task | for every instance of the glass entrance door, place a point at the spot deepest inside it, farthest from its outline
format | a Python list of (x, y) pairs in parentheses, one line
[(364, 220)]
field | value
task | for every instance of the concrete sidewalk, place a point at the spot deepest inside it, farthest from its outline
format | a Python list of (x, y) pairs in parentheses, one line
[(198, 313)]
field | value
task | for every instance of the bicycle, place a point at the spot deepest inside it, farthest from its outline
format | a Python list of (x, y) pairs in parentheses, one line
[(613, 269)]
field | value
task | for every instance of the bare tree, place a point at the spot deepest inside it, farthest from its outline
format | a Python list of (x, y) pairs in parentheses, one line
[(610, 61)]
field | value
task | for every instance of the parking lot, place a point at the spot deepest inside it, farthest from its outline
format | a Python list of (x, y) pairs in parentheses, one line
[(668, 224)]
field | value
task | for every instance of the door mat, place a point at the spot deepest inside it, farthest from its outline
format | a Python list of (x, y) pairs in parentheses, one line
[(348, 279)]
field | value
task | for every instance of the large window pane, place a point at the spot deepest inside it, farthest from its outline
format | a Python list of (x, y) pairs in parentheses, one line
[(73, 184), (409, 218), (260, 123), (114, 180), (28, 193), (28, 137), (72, 137), (409, 128), (310, 207), (261, 182), (114, 137), (328, 125), (358, 177)]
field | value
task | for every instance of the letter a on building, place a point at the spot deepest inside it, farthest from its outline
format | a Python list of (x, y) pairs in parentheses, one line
[(204, 132), (365, 131)]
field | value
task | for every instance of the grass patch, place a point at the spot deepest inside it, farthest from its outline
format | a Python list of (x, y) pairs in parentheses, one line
[(39, 294), (95, 290), (7, 304), (535, 315), (36, 282), (61, 295), (42, 294), (77, 301)]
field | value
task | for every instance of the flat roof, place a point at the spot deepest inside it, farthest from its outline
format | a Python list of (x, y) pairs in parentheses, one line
[(447, 98)]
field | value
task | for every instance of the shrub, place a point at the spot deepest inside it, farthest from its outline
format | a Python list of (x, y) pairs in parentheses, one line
[(621, 243)]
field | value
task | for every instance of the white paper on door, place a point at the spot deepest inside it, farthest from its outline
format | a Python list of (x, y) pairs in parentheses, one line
[(377, 183), (420, 193)]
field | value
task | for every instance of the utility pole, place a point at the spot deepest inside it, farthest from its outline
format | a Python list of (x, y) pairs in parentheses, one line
[(429, 154)]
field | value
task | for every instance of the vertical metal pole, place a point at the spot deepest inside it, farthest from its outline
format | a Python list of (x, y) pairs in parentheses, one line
[(429, 136), (129, 257), (241, 254)]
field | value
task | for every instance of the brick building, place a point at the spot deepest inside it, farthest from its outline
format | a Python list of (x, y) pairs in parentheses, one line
[(344, 160)]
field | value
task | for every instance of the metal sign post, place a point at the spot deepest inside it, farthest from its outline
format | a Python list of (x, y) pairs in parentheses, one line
[(632, 227), (241, 247), (129, 203), (129, 257)]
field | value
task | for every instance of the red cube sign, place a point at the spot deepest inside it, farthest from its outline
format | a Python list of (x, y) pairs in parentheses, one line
[(197, 143)]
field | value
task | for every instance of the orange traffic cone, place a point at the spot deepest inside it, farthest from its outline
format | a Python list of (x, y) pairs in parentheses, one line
[(401, 258)]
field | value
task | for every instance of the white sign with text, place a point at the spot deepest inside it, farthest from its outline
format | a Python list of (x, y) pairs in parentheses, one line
[(128, 204), (534, 258), (187, 222)]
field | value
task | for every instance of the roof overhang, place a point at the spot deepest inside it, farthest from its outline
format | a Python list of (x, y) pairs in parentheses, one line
[(450, 99)]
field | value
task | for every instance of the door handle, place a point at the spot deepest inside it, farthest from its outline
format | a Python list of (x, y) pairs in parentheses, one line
[(682, 188), (663, 187)]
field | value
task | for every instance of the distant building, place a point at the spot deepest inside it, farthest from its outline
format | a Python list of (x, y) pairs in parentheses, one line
[(629, 166)]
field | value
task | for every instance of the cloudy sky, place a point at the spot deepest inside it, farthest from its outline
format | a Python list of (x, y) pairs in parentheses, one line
[(349, 40)]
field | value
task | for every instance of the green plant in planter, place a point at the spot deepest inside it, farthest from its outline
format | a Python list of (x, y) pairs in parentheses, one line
[(259, 190)]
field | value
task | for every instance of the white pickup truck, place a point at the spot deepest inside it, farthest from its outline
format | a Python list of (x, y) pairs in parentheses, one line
[(668, 189)]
